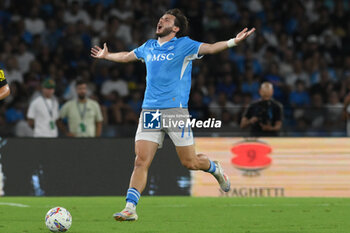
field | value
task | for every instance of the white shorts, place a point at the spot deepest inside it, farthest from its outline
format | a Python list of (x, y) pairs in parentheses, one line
[(169, 122)]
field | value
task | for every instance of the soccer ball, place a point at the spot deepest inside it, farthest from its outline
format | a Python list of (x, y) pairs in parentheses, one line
[(58, 219)]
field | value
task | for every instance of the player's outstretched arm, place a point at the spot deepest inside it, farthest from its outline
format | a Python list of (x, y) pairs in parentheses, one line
[(223, 45), (124, 57)]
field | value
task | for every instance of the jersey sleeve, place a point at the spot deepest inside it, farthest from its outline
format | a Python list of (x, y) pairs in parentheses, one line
[(3, 81), (191, 48), (140, 52)]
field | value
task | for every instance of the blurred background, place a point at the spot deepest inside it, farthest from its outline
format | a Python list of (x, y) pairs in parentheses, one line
[(302, 47)]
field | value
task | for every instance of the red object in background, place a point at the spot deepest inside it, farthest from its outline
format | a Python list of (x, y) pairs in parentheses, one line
[(251, 155)]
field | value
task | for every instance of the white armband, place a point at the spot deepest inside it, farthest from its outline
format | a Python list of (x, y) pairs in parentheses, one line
[(231, 43)]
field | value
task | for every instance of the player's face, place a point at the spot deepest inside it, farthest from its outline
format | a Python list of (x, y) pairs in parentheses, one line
[(81, 91), (48, 92), (166, 25)]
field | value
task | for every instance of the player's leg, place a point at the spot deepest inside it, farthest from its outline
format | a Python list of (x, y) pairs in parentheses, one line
[(184, 142), (146, 144), (145, 151), (193, 161)]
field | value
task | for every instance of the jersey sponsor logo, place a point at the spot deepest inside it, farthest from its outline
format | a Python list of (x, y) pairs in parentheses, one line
[(152, 119), (161, 57)]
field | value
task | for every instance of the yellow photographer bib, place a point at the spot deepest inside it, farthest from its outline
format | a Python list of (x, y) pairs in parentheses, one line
[(2, 75)]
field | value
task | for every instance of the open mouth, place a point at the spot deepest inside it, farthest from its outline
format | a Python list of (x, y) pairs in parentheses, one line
[(159, 27)]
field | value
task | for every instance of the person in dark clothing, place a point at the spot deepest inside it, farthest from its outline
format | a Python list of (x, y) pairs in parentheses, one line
[(265, 115)]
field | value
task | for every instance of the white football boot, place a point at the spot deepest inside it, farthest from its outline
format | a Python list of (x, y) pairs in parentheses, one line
[(221, 177), (127, 214)]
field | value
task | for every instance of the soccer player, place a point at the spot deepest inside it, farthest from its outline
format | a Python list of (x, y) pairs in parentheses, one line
[(4, 87), (169, 64)]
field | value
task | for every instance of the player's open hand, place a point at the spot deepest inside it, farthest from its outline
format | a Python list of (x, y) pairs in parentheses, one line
[(243, 35), (97, 52)]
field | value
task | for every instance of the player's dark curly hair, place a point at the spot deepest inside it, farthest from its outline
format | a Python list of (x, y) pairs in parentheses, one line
[(180, 21)]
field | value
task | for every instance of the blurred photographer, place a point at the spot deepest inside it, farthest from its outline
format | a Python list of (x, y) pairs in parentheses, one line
[(265, 115)]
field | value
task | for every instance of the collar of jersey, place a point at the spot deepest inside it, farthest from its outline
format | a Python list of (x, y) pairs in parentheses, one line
[(174, 38)]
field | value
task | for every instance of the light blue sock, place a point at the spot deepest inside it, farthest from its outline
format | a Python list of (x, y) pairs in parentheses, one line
[(133, 196), (212, 167)]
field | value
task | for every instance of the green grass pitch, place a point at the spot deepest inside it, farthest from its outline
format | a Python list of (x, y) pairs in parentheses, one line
[(182, 214)]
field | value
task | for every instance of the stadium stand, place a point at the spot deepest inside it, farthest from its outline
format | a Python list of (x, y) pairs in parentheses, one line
[(299, 46)]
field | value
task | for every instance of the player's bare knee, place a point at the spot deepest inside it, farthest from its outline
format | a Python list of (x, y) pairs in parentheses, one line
[(140, 161)]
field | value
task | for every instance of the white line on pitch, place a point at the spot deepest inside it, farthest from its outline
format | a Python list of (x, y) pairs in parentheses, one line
[(276, 205), (13, 204), (174, 205)]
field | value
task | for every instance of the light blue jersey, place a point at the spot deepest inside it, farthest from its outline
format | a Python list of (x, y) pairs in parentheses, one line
[(169, 66)]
